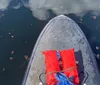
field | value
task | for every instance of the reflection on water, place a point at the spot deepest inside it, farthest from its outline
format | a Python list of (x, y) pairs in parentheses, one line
[(18, 35)]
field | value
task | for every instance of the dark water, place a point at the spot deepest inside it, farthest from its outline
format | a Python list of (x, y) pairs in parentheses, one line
[(18, 33)]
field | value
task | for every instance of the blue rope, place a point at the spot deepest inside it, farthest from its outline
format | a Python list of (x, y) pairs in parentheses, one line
[(62, 79)]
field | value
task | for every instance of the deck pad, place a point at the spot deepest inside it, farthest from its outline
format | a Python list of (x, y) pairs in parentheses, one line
[(62, 33)]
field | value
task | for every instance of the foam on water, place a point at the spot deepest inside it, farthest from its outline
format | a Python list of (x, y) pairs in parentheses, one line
[(40, 8), (79, 7)]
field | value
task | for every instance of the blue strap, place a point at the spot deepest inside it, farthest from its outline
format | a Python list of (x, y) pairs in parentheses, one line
[(58, 55), (62, 79)]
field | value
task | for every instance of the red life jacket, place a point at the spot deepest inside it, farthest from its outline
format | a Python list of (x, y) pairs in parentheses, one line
[(52, 65), (68, 61)]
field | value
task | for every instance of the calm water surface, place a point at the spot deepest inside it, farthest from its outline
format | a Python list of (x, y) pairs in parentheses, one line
[(18, 33)]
